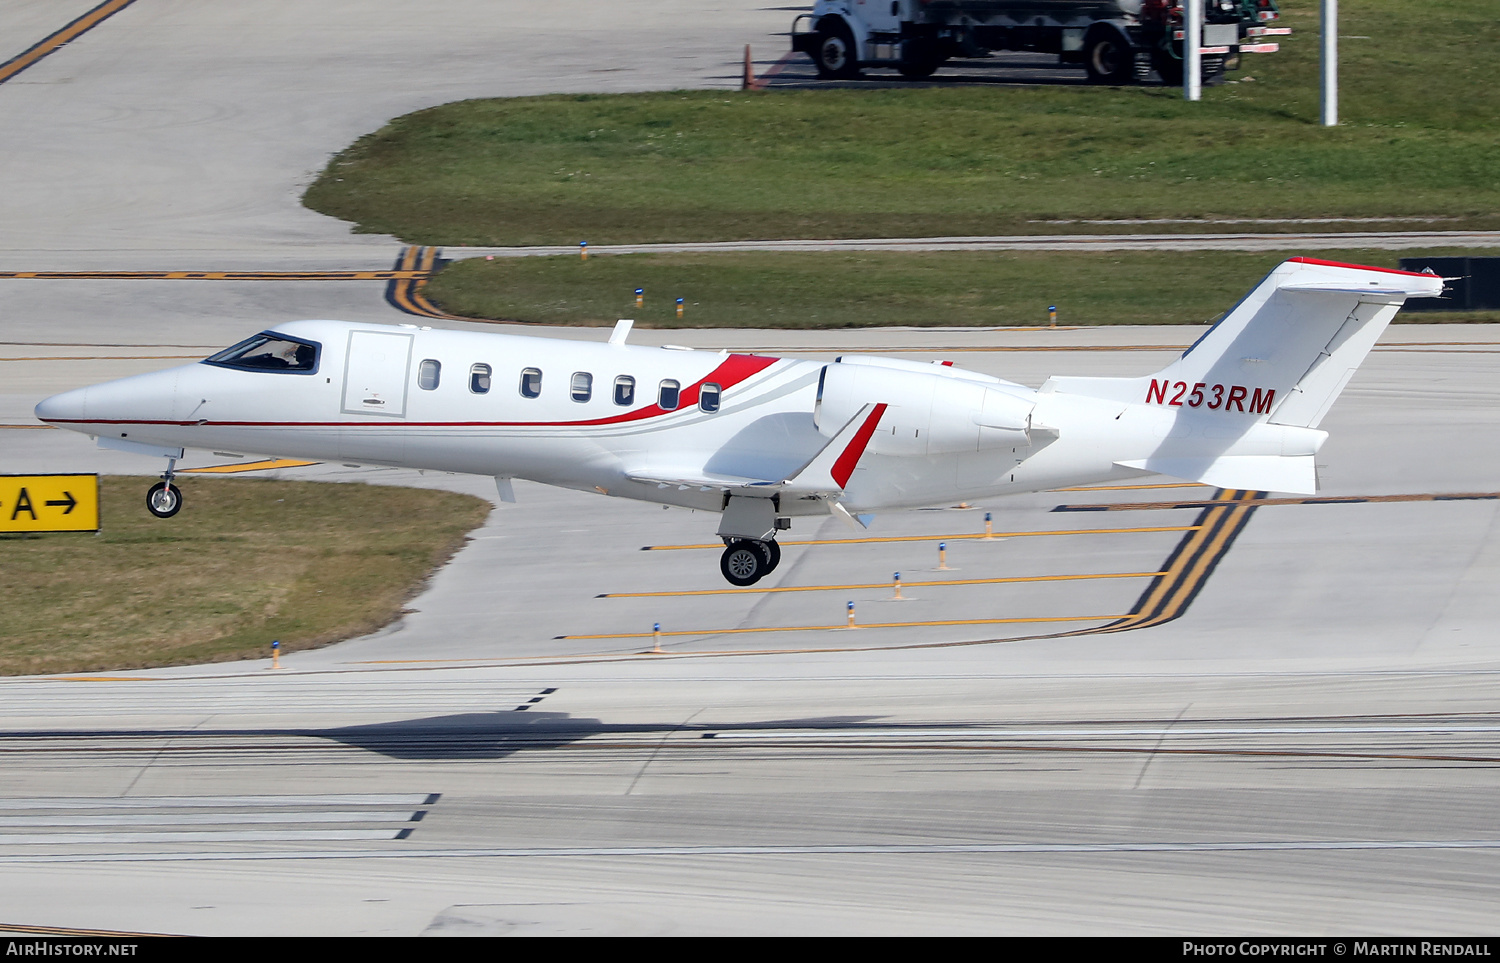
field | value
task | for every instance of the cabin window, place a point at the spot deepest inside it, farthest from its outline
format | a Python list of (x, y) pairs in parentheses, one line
[(708, 397), (531, 382), (429, 373), (625, 390), (668, 396), (479, 379), (269, 351), (582, 386)]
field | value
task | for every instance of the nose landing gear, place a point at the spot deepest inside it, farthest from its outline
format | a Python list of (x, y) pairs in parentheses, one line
[(164, 499), (746, 560)]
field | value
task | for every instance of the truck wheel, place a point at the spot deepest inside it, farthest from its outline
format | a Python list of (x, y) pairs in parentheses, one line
[(836, 57), (1108, 60), (919, 58), (1168, 68)]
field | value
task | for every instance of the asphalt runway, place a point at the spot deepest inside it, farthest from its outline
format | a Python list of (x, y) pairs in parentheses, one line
[(1226, 713)]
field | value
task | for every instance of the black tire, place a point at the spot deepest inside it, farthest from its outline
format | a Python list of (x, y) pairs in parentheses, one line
[(772, 552), (163, 500), (919, 58), (1168, 67), (743, 563), (836, 56), (1108, 59), (917, 69)]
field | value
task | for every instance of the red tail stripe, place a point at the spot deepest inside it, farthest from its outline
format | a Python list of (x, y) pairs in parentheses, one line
[(1357, 267), (843, 467)]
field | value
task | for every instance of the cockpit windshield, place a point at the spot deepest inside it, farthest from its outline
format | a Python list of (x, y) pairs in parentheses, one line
[(269, 352)]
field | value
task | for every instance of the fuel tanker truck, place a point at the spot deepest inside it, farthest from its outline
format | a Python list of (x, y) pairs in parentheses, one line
[(1116, 41)]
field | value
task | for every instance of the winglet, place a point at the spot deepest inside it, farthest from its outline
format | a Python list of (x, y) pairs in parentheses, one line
[(621, 331), (829, 470)]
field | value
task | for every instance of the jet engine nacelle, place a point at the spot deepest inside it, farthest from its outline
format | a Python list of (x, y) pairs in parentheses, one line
[(926, 414)]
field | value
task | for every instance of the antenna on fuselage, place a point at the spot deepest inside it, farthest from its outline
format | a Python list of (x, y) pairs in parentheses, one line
[(621, 331)]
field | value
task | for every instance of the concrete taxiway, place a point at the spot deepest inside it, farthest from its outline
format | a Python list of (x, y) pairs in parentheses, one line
[(1242, 715)]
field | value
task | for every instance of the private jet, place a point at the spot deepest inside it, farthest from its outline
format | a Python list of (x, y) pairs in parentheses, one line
[(761, 440)]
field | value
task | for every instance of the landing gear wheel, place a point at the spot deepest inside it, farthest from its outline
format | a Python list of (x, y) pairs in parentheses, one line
[(163, 500), (772, 551), (836, 56), (744, 562), (1108, 60)]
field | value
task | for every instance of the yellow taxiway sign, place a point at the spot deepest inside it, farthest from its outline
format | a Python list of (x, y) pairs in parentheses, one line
[(49, 503)]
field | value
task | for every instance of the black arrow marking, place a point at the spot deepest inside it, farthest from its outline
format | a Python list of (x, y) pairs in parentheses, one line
[(67, 500)]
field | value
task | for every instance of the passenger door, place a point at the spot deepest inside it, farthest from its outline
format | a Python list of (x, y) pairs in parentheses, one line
[(376, 370)]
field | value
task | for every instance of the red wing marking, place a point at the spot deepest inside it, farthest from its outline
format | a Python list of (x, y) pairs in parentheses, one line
[(843, 467)]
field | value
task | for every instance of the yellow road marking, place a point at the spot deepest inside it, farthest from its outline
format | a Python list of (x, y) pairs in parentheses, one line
[(217, 275), (102, 678), (875, 585), (266, 465), (1125, 488), (108, 357), (70, 32), (1301, 500), (939, 538), (845, 628)]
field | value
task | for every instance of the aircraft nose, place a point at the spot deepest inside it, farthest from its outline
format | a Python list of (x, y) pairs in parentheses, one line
[(66, 407)]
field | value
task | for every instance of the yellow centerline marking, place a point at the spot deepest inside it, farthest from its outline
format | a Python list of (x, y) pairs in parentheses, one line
[(1130, 488), (376, 275), (845, 628), (266, 465), (108, 357), (70, 32), (875, 585), (940, 538)]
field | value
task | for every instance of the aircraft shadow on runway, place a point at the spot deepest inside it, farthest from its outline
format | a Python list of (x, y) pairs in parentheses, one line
[(469, 735), (495, 735)]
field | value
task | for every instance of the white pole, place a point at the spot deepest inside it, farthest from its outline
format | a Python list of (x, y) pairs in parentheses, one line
[(1192, 58), (1330, 63)]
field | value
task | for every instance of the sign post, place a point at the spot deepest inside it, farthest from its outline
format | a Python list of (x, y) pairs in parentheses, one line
[(49, 503), (1329, 55)]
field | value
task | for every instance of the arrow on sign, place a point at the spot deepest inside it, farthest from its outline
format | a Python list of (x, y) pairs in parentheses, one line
[(67, 500)]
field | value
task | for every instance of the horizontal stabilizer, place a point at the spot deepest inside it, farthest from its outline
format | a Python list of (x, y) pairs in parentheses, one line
[(1296, 474)]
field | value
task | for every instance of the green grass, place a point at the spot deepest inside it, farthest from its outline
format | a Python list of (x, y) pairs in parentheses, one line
[(245, 562), (1417, 140), (829, 290)]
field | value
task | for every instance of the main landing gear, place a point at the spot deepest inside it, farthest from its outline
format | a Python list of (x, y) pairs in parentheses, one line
[(165, 499), (746, 560)]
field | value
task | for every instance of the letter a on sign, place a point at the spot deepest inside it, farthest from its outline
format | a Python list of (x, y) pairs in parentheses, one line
[(49, 503)]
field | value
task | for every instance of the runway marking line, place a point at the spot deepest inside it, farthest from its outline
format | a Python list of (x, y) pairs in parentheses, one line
[(874, 585), (845, 628), (28, 930), (997, 536), (108, 357), (265, 465), (51, 43), (1308, 500), (215, 275)]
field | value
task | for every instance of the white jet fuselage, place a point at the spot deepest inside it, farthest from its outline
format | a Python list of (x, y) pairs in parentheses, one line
[(367, 402), (765, 439)]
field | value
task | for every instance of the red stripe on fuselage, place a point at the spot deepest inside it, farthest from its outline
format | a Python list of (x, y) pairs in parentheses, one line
[(734, 370), (843, 467)]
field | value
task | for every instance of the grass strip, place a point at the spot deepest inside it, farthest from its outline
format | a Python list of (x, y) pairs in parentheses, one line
[(1417, 140), (245, 562), (833, 290)]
